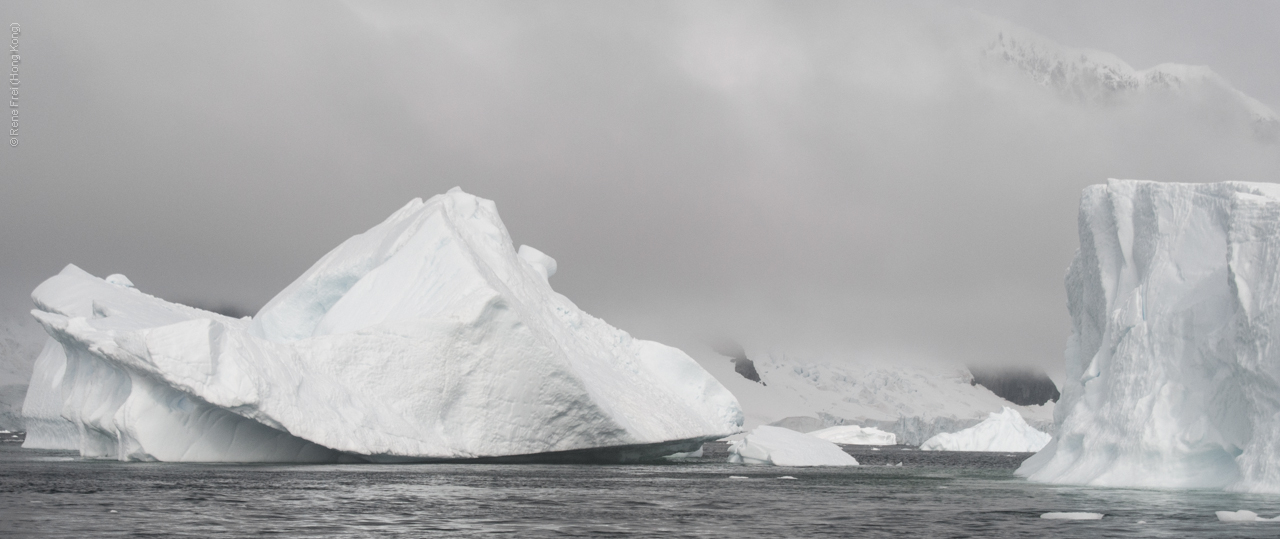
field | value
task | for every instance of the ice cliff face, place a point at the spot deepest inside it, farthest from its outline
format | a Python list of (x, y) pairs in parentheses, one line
[(427, 337), (1172, 379)]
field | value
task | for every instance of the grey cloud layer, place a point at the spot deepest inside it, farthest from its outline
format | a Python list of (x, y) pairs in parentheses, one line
[(836, 178)]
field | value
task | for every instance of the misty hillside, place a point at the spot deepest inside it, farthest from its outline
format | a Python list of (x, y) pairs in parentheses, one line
[(1101, 78), (20, 343)]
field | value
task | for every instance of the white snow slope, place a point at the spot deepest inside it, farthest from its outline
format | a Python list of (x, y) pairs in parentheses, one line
[(914, 402), (1001, 431), (427, 337), (853, 434), (1172, 379), (779, 446)]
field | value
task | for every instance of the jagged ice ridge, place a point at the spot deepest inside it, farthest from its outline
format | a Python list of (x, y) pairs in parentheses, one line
[(427, 337)]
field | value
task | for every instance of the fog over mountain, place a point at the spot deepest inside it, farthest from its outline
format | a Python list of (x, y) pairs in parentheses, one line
[(842, 181)]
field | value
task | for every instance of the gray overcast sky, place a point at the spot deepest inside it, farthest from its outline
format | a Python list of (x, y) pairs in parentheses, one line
[(840, 179)]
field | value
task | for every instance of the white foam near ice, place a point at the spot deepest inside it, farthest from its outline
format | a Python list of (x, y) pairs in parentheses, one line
[(1172, 372), (1001, 431), (1072, 516), (853, 434), (1243, 515), (427, 337), (778, 446)]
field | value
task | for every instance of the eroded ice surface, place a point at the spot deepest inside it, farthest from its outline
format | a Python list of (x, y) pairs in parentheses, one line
[(778, 446), (1172, 378), (427, 337), (1001, 431)]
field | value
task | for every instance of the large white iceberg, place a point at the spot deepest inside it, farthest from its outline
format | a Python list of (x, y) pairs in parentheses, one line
[(778, 446), (1172, 376), (427, 337), (853, 434), (1001, 431)]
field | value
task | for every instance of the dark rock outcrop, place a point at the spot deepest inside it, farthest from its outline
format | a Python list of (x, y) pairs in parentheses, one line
[(1020, 385), (741, 364)]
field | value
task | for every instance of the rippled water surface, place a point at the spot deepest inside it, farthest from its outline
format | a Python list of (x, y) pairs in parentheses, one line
[(55, 494)]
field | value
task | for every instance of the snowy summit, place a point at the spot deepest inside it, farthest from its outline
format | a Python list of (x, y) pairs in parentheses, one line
[(428, 337)]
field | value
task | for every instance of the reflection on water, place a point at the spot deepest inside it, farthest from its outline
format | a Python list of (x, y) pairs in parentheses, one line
[(945, 495)]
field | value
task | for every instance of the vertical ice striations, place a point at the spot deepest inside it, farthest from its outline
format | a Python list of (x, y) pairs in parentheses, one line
[(426, 337), (1172, 380)]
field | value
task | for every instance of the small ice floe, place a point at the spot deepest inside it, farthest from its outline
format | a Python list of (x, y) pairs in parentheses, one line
[(691, 455), (898, 464), (1072, 516), (875, 449), (786, 477), (1142, 522), (1243, 516), (112, 511), (739, 477), (776, 446)]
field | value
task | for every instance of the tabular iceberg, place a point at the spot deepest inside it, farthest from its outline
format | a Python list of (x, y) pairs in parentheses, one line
[(1001, 431), (779, 446), (427, 337), (1172, 379)]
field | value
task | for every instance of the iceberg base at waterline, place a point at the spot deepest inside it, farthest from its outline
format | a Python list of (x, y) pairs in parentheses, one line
[(428, 337), (778, 446)]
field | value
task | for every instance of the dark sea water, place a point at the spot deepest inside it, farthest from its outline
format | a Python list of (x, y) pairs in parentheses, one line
[(55, 494)]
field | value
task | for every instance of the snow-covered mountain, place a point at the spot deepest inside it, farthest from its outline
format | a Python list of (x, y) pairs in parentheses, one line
[(914, 402), (1096, 77)]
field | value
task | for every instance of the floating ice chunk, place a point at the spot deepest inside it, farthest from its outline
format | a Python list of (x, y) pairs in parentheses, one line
[(1072, 516), (786, 477), (426, 337), (778, 446), (739, 477), (1001, 431), (853, 434), (1243, 516), (685, 455), (1172, 369)]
